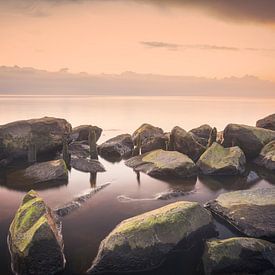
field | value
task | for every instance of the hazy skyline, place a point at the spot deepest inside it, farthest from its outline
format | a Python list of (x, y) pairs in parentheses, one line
[(194, 38)]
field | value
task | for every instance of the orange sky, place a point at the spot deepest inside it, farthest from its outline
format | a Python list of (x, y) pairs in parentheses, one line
[(113, 37)]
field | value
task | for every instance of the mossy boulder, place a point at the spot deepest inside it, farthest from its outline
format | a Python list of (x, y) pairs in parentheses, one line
[(239, 256), (81, 133), (34, 239), (186, 143), (252, 212), (250, 139), (144, 241), (160, 163), (267, 156), (267, 122), (217, 160), (45, 133)]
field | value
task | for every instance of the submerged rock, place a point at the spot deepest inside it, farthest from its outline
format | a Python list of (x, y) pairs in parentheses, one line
[(267, 156), (252, 212), (239, 256), (45, 133), (87, 165), (250, 139), (143, 242), (34, 239), (116, 147), (161, 163), (186, 143), (217, 160), (81, 133), (267, 122)]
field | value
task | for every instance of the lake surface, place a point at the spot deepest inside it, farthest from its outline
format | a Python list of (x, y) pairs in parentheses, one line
[(85, 228)]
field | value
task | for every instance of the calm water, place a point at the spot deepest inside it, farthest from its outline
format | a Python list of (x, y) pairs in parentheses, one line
[(85, 228)]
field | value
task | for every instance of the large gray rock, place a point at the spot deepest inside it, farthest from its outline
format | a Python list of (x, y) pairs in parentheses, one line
[(160, 163), (154, 143), (81, 133), (250, 211), (143, 242), (267, 122), (34, 239), (46, 133), (186, 143), (87, 165), (250, 139), (116, 147), (217, 160), (267, 156), (239, 256)]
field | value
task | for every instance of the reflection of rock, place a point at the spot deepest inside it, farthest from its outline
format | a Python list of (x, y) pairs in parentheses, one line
[(116, 147), (267, 156), (45, 133), (267, 122), (146, 131), (250, 139), (251, 211), (239, 255), (81, 133), (143, 242), (217, 160), (35, 242), (87, 165), (76, 203), (161, 163)]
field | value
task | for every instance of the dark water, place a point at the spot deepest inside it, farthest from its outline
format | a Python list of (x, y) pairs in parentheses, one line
[(84, 228)]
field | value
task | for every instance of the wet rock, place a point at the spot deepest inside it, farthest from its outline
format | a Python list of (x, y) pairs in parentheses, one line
[(143, 242), (87, 165), (34, 239), (250, 139), (186, 143), (79, 149), (81, 133), (154, 143), (217, 160), (116, 147), (267, 156), (45, 133), (203, 131), (239, 256), (267, 122), (252, 212), (161, 163), (146, 131)]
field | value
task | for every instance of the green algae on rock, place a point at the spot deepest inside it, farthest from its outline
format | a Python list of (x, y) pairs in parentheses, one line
[(143, 242), (160, 163), (34, 239), (239, 255), (217, 160)]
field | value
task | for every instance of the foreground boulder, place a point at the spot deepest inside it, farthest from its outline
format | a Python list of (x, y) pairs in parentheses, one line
[(217, 160), (267, 156), (34, 239), (45, 133), (116, 147), (81, 133), (250, 139), (87, 165), (160, 163), (267, 122), (146, 131), (143, 242), (186, 143), (239, 255), (252, 212)]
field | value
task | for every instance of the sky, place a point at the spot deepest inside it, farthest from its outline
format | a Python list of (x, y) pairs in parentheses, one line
[(203, 38)]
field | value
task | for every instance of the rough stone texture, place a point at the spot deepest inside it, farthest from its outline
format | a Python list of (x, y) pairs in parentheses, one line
[(143, 242), (35, 242), (239, 255), (267, 156), (153, 143), (217, 160), (267, 122), (81, 133), (203, 131), (250, 139), (87, 165), (250, 211), (146, 131), (46, 133), (161, 163), (186, 143), (79, 149), (116, 147)]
